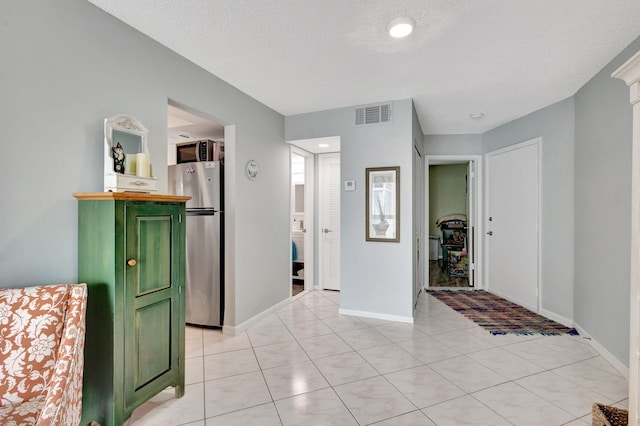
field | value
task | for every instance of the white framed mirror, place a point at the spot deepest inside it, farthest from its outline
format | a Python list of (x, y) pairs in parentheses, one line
[(126, 156)]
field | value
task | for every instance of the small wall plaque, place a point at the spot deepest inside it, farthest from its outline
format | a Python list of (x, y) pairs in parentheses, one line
[(252, 170)]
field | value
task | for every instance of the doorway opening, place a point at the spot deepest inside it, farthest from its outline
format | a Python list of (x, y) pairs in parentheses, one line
[(309, 263), (298, 222), (452, 221), (195, 160)]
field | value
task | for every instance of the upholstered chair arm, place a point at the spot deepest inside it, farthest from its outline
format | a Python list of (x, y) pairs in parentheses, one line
[(63, 400)]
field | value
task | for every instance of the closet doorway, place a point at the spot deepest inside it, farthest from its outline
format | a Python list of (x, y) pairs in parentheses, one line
[(452, 221)]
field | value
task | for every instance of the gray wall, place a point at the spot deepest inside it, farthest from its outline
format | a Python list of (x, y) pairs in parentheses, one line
[(67, 65), (447, 192), (555, 125), (603, 207), (453, 145), (374, 277)]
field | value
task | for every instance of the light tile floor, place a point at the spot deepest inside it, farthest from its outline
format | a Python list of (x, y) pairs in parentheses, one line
[(308, 365)]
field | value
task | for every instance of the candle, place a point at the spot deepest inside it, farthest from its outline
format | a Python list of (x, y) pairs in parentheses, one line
[(130, 164), (142, 165)]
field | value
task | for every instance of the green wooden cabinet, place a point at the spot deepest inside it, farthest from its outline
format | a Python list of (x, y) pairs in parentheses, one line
[(131, 254)]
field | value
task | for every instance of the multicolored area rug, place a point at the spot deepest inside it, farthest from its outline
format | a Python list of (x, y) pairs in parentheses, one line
[(498, 315)]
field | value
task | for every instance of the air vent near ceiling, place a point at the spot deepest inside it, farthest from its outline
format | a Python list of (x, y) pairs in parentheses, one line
[(374, 114)]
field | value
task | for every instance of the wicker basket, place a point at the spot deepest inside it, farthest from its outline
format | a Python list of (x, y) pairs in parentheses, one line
[(606, 415)]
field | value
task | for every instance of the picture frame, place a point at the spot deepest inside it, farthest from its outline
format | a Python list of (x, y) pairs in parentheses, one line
[(382, 217)]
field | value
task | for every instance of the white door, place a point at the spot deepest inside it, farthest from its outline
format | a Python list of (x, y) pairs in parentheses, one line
[(472, 218), (329, 221), (309, 223), (513, 214)]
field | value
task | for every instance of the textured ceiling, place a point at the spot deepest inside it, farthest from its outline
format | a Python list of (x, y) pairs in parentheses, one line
[(505, 58)]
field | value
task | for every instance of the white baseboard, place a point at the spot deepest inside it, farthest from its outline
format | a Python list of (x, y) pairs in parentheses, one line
[(231, 330), (396, 318), (299, 295), (557, 318), (615, 362), (608, 356)]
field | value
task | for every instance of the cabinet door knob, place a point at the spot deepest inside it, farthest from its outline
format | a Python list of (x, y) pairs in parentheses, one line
[(131, 262)]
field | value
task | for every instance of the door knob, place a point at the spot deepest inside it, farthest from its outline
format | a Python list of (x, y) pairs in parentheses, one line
[(326, 231), (490, 233), (131, 262)]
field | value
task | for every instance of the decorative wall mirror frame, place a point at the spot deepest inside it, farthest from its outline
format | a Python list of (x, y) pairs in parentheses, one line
[(132, 136), (382, 200)]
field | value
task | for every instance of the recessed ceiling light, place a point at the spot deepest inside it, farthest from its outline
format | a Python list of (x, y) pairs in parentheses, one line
[(476, 115), (401, 27), (323, 145)]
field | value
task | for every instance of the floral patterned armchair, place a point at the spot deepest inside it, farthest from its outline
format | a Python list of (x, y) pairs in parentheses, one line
[(41, 355)]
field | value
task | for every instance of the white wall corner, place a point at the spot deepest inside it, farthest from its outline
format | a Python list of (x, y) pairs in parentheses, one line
[(235, 330), (386, 317)]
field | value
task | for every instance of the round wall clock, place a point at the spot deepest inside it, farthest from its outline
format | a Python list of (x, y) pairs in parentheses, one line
[(252, 170)]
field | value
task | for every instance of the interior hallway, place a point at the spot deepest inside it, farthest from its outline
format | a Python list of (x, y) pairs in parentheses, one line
[(307, 364), (439, 278)]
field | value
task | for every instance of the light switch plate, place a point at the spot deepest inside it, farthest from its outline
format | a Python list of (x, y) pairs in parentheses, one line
[(349, 185)]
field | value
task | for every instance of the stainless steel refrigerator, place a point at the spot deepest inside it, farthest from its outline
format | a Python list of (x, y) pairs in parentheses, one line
[(204, 182)]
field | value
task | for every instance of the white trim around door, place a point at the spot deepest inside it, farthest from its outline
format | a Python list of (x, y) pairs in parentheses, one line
[(308, 224)]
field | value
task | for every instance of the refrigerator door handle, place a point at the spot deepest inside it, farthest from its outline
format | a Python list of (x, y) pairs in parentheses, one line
[(202, 212)]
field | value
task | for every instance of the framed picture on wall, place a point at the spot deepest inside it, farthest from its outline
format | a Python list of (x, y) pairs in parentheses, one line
[(383, 204)]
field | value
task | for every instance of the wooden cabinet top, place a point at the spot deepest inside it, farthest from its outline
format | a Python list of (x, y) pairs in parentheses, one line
[(131, 196)]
